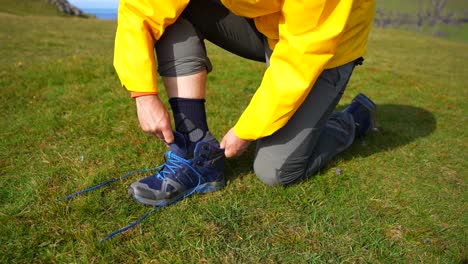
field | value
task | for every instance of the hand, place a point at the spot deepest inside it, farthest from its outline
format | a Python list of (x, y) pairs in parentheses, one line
[(233, 145), (154, 118)]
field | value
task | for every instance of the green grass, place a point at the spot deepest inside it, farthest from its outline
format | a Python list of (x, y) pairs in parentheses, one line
[(28, 7), (66, 125)]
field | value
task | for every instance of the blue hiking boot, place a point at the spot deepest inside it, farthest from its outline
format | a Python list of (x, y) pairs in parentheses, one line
[(183, 173), (363, 111)]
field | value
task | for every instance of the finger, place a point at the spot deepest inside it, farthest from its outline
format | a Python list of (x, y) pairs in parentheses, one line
[(159, 135), (228, 152), (168, 136), (223, 143)]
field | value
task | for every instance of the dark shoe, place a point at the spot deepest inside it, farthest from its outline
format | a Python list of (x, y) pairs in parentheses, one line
[(183, 173), (363, 111)]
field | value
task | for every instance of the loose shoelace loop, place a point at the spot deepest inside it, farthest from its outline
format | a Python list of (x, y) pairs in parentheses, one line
[(173, 162)]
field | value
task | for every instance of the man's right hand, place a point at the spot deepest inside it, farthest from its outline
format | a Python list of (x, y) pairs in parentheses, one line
[(154, 118)]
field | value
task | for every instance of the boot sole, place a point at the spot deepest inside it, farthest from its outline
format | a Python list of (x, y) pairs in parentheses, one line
[(202, 188)]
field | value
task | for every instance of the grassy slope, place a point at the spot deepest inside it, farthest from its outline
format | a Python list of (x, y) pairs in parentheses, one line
[(28, 7), (66, 124)]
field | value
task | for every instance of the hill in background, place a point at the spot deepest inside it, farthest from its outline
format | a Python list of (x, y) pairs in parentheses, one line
[(442, 18), (41, 8), (28, 7)]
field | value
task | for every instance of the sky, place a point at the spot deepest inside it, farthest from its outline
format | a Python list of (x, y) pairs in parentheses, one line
[(94, 3)]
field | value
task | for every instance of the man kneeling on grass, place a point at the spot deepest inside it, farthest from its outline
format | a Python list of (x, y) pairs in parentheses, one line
[(310, 49)]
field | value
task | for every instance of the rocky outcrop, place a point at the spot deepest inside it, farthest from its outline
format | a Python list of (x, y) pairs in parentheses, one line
[(65, 7)]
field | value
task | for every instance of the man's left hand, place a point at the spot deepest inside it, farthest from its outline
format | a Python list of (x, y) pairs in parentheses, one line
[(233, 145)]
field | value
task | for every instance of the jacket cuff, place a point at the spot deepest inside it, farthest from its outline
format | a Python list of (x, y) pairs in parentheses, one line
[(138, 94)]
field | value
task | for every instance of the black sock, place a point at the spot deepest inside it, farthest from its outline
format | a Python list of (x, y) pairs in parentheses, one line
[(190, 118)]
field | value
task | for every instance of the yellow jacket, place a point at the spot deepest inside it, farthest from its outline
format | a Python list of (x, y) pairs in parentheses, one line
[(306, 37)]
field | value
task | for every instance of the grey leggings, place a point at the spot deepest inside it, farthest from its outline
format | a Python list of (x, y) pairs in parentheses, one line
[(181, 50), (313, 135)]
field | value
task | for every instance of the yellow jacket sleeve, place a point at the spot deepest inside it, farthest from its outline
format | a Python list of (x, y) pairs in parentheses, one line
[(309, 33), (140, 24)]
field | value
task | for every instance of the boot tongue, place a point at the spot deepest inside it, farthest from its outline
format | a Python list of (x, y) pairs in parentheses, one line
[(180, 145)]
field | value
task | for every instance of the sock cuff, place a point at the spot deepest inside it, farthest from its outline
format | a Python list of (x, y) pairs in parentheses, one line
[(189, 117), (186, 100)]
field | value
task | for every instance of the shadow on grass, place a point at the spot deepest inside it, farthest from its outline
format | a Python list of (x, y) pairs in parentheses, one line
[(240, 166), (397, 125)]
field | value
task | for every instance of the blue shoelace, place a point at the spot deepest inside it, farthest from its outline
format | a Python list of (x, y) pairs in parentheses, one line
[(172, 163)]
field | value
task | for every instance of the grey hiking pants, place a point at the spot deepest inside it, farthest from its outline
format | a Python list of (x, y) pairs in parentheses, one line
[(312, 136)]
